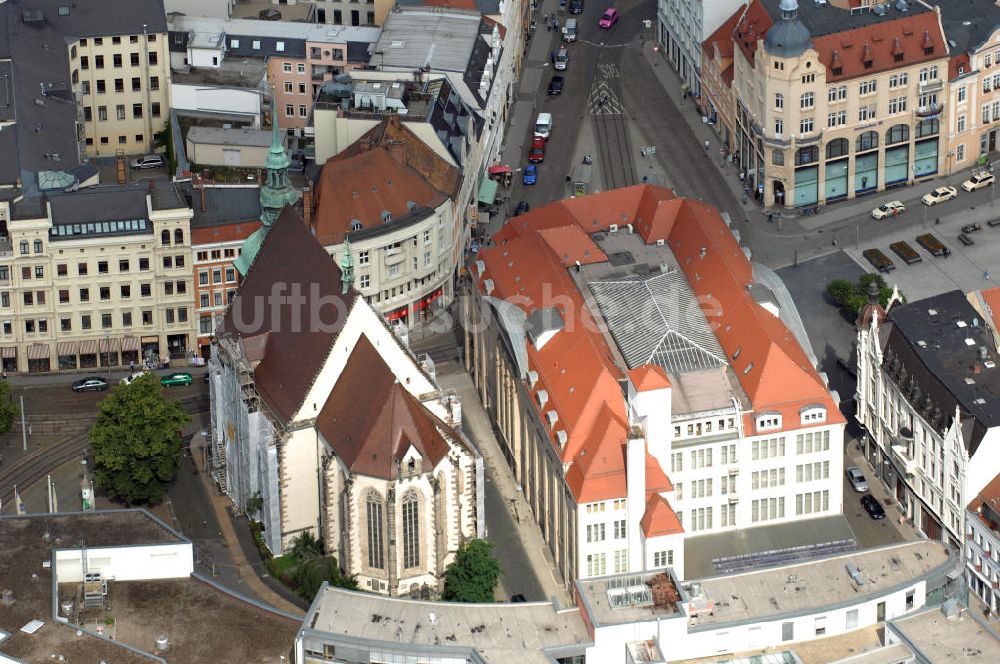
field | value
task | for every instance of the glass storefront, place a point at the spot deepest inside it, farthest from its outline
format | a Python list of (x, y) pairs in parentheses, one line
[(866, 172), (835, 185), (925, 158), (806, 185), (897, 165)]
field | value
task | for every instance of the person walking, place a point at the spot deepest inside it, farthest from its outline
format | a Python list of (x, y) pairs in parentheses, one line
[(706, 144), (552, 57), (770, 217)]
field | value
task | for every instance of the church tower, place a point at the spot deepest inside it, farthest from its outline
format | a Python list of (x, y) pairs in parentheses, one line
[(275, 194)]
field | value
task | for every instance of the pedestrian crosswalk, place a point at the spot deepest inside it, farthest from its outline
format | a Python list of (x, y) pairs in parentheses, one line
[(603, 100)]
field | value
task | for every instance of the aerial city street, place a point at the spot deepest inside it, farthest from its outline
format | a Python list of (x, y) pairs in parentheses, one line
[(489, 330)]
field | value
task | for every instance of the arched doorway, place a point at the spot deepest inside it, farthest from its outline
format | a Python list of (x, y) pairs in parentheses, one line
[(778, 192)]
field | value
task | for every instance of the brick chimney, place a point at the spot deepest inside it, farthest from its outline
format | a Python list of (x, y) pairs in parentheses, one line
[(307, 208), (204, 206)]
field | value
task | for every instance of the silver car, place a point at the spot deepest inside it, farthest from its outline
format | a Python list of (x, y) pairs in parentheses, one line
[(857, 479)]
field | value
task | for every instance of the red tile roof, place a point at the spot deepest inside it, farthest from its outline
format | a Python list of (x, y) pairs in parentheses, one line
[(992, 299), (364, 186), (295, 348), (529, 267), (990, 496), (372, 435), (722, 38), (659, 518), (223, 233), (910, 35), (750, 28), (649, 377)]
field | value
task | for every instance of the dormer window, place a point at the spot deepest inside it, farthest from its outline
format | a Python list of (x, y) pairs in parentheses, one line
[(812, 414), (768, 421), (411, 466)]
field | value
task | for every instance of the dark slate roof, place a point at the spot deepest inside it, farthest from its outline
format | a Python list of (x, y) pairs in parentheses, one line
[(358, 51), (4, 39), (223, 205), (787, 39), (85, 206), (291, 342), (481, 52), (826, 19), (452, 119), (9, 167), (294, 48), (98, 17), (967, 23), (931, 339)]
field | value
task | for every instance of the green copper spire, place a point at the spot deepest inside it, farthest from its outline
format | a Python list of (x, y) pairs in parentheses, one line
[(346, 266), (274, 195)]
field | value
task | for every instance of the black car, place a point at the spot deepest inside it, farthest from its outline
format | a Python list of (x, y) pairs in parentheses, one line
[(873, 507), (556, 85), (521, 208), (90, 384), (575, 6), (518, 598)]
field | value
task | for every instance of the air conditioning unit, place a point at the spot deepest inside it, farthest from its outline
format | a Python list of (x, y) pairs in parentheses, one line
[(613, 228), (733, 500), (734, 471), (660, 243)]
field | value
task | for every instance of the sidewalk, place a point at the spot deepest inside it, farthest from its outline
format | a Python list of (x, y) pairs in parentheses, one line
[(476, 424), (729, 174)]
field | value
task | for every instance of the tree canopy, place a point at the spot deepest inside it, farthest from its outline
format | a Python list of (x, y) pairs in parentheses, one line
[(314, 568), (473, 575), (136, 442), (8, 409), (854, 296)]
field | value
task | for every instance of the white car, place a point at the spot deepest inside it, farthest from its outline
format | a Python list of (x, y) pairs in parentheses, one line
[(940, 195), (890, 209), (857, 479), (978, 181), (128, 380)]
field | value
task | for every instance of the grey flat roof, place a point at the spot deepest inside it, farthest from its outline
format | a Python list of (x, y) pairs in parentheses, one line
[(792, 589), (940, 341), (223, 204), (242, 28), (500, 632), (218, 135), (9, 170), (98, 18), (414, 37), (937, 638)]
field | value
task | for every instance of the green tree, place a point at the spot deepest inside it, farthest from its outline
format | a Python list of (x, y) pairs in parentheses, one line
[(135, 441), (840, 290), (8, 409), (317, 568), (473, 575)]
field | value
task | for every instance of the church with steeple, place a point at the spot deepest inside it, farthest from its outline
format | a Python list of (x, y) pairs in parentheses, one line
[(275, 194)]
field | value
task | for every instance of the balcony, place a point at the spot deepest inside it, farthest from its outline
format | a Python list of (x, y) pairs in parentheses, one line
[(782, 141), (931, 111), (901, 456), (644, 652), (932, 85), (812, 138)]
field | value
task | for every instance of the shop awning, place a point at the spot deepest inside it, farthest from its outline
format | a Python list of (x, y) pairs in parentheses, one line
[(67, 348), (499, 170), (89, 347), (38, 352), (130, 344), (488, 191), (8, 352)]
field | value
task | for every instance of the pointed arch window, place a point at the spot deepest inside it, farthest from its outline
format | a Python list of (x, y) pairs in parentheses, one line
[(411, 530), (376, 530)]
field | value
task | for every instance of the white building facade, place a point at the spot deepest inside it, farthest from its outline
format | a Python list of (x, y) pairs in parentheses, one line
[(982, 545), (682, 26)]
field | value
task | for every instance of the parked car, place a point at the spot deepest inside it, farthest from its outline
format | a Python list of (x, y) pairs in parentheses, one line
[(519, 597), (556, 85), (562, 59), (857, 479), (128, 380), (873, 507), (979, 180), (521, 208), (575, 6), (90, 384), (537, 153), (971, 228), (890, 209), (966, 240), (940, 195), (148, 161), (906, 252), (936, 248), (879, 261), (608, 18), (993, 223), (530, 174), (175, 379)]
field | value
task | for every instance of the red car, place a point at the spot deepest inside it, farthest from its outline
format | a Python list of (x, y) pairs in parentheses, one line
[(537, 153)]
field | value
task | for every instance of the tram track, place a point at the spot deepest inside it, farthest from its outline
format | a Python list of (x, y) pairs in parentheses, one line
[(614, 149), (37, 463)]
